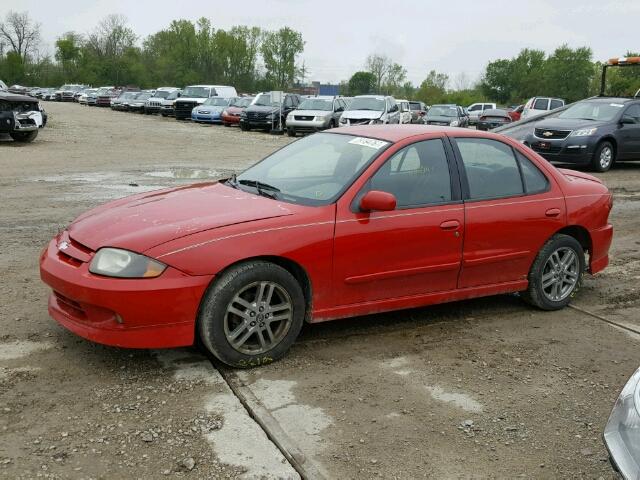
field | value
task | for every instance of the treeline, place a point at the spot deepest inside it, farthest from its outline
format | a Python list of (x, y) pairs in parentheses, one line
[(253, 59)]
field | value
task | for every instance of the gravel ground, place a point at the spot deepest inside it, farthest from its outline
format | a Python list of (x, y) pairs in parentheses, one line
[(480, 389)]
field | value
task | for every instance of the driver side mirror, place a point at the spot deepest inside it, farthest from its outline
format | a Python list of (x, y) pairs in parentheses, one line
[(377, 200), (628, 120)]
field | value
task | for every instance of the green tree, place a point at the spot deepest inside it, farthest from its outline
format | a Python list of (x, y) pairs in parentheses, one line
[(279, 51), (68, 52), (361, 83), (379, 66), (568, 73), (433, 88), (394, 79)]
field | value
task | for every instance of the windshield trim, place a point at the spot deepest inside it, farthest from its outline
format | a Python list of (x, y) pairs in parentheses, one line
[(307, 202)]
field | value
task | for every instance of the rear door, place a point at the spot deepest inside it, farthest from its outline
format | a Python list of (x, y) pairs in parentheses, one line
[(511, 209)]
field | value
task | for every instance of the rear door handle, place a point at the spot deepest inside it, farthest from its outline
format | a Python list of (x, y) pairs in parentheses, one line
[(552, 212), (450, 225)]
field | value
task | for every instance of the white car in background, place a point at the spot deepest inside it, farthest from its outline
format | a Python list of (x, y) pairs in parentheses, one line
[(371, 110), (538, 105), (405, 111), (475, 111), (154, 104)]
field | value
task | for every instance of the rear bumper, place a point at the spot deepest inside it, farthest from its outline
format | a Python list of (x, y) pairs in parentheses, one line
[(600, 244)]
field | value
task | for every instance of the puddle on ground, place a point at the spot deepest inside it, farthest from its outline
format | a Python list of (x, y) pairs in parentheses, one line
[(185, 173), (19, 349), (460, 400)]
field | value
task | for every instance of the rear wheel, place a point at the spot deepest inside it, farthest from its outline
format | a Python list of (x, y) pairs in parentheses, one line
[(244, 127), (252, 314), (556, 274), (24, 137), (603, 157)]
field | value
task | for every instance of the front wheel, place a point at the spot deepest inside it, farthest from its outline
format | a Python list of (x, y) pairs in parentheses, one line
[(252, 314), (603, 157), (244, 127), (291, 132), (556, 274), (24, 137)]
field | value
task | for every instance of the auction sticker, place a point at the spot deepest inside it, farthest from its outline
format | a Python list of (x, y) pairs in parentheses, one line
[(369, 142)]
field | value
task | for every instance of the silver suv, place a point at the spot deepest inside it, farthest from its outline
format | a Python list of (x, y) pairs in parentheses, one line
[(314, 114), (370, 110)]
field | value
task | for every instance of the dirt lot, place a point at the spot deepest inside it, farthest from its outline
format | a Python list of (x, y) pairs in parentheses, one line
[(480, 389)]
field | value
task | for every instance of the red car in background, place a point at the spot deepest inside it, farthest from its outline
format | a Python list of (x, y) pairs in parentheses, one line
[(351, 221), (516, 113), (104, 98), (231, 114)]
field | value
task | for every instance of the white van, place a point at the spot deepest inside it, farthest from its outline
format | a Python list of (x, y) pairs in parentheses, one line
[(539, 105), (194, 95)]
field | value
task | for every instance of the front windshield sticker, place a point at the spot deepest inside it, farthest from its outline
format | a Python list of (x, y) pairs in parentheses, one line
[(369, 142), (619, 105)]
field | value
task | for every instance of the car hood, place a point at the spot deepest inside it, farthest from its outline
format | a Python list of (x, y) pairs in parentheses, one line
[(143, 221), (358, 114), (262, 109), (312, 113), (567, 124)]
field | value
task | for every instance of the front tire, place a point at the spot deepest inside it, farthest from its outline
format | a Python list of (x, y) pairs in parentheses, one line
[(604, 157), (252, 314), (556, 274), (291, 132), (24, 137)]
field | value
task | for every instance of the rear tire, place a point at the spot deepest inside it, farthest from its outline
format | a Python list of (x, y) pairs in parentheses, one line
[(24, 137), (604, 157), (251, 315), (244, 127), (556, 274), (291, 132)]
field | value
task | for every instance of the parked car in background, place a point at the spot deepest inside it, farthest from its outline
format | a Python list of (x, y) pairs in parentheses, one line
[(418, 111), (516, 113), (405, 111), (105, 95), (83, 97), (266, 113), (67, 92), (167, 105), (136, 104), (231, 114), (493, 118), (195, 95), (446, 115), (595, 132), (538, 105), (21, 116), (475, 110), (121, 102), (211, 110), (48, 94), (3, 86), (154, 103), (370, 110), (315, 114)]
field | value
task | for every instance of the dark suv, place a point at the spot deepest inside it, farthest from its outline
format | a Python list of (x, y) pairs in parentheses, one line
[(594, 132), (263, 111)]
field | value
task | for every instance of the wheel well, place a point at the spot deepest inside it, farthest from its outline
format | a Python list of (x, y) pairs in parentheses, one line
[(293, 268), (581, 234), (613, 143)]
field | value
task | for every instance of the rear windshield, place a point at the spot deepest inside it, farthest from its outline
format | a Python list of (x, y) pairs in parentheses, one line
[(442, 111)]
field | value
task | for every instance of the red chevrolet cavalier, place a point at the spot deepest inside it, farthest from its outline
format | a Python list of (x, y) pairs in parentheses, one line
[(347, 222), (231, 114)]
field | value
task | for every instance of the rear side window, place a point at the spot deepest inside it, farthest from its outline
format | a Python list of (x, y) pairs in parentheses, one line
[(491, 168), (541, 104), (556, 104), (416, 175), (475, 108), (534, 179), (634, 112)]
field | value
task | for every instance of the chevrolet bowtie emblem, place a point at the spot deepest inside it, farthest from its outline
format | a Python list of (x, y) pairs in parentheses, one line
[(548, 134)]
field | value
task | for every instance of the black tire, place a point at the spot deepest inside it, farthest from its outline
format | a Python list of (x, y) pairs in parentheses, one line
[(164, 115), (218, 298), (332, 124), (244, 127), (226, 124), (535, 294), (24, 137), (291, 132), (604, 157)]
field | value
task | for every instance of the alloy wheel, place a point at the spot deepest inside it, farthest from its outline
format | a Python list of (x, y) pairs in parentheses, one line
[(258, 317), (560, 274), (606, 157)]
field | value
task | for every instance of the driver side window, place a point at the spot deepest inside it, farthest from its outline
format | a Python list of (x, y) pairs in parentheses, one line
[(416, 175)]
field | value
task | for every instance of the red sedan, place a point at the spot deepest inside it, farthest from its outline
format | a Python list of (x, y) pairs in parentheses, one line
[(348, 222), (231, 114)]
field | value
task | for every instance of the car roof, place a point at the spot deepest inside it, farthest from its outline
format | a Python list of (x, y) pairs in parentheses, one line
[(610, 99), (395, 133), (379, 97)]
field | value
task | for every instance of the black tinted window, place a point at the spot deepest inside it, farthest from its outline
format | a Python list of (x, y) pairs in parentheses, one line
[(634, 112), (556, 104), (491, 168), (534, 179), (541, 104), (417, 175)]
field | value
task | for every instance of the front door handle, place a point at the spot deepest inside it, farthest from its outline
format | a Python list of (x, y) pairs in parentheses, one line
[(552, 212), (450, 225)]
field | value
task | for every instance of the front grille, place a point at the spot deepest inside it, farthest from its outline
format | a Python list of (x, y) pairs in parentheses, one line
[(303, 117), (155, 104), (183, 109), (359, 121), (551, 149), (71, 307), (256, 116), (549, 134)]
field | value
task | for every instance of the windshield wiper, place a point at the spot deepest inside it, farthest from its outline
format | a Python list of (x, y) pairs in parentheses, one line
[(261, 187), (232, 181)]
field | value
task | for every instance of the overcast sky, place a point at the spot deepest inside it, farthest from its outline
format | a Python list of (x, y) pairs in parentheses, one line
[(450, 37)]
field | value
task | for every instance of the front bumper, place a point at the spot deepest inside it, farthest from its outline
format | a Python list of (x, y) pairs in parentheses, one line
[(307, 125), (259, 123), (234, 119), (206, 118), (576, 150), (132, 313)]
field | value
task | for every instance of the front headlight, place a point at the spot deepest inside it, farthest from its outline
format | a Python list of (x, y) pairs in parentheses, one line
[(454, 123), (622, 433), (320, 119), (584, 132), (114, 262)]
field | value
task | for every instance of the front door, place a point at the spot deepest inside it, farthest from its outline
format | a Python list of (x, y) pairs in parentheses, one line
[(630, 133), (412, 250)]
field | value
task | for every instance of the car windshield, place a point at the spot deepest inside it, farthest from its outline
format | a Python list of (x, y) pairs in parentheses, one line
[(216, 102), (173, 95), (367, 103), (316, 104), (143, 96), (601, 111), (264, 100), (196, 92), (241, 102), (414, 106), (442, 111), (314, 170), (161, 94)]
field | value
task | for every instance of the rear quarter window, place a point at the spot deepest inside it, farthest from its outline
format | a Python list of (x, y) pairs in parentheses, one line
[(534, 179), (541, 104)]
